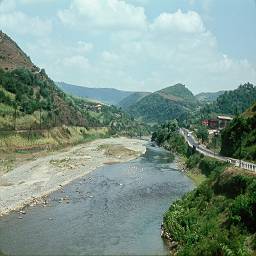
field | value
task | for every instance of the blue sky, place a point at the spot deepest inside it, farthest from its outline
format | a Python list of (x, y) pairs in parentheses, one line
[(208, 45)]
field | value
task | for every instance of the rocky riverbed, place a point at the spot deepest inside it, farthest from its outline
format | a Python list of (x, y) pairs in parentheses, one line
[(31, 181)]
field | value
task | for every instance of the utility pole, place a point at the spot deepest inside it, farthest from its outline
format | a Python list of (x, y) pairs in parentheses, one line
[(40, 116), (15, 116)]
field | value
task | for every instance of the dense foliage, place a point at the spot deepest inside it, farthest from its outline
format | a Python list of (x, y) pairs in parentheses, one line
[(24, 93), (239, 138), (30, 100), (217, 218), (231, 102), (168, 136), (202, 133), (174, 102), (132, 99), (236, 101), (30, 91)]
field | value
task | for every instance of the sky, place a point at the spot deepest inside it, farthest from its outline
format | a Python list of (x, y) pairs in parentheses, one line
[(138, 45)]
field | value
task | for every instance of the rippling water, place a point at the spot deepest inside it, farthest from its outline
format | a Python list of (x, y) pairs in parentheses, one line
[(117, 209)]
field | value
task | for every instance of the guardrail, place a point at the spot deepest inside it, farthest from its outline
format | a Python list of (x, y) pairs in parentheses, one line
[(236, 162)]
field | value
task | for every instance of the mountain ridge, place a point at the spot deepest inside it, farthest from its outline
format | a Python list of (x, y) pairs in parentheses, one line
[(109, 96), (172, 102)]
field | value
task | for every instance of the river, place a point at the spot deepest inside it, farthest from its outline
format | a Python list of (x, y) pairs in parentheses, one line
[(115, 210)]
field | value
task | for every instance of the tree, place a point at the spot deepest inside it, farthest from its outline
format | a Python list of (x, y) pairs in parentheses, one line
[(202, 133)]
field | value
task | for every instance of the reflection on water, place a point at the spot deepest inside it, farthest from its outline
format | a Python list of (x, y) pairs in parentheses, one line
[(114, 210)]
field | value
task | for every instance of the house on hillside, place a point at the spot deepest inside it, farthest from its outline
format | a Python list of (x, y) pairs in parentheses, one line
[(219, 123), (210, 123), (223, 121)]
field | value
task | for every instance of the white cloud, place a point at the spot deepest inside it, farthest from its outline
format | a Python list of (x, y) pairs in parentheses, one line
[(77, 62), (112, 43), (189, 22), (17, 22), (103, 14), (175, 47), (20, 23), (37, 1)]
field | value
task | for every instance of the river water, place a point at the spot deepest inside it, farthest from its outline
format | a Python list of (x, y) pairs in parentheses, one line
[(115, 210)]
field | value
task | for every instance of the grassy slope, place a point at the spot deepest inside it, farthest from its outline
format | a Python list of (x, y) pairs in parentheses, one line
[(217, 218), (17, 146)]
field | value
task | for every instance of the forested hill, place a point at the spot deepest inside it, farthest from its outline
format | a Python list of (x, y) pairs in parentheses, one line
[(30, 100), (209, 96), (239, 138), (106, 95), (178, 92), (33, 98), (132, 99), (236, 101), (174, 102)]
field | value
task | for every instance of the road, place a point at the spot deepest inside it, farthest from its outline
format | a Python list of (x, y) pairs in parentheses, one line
[(192, 142)]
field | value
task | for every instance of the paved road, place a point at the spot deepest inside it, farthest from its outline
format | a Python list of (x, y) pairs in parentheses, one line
[(192, 142)]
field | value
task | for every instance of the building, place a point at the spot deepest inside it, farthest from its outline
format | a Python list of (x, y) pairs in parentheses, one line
[(210, 123), (223, 121), (219, 123)]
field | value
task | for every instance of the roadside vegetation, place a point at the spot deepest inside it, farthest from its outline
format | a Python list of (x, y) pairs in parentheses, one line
[(168, 136), (218, 217), (239, 138)]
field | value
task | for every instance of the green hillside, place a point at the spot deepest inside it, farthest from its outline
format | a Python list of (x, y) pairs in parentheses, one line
[(209, 96), (132, 99), (30, 100), (217, 218), (35, 113), (236, 101), (178, 92), (239, 138), (174, 102)]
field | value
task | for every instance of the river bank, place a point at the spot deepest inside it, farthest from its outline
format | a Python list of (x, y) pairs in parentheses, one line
[(194, 173), (115, 210), (219, 212), (28, 183)]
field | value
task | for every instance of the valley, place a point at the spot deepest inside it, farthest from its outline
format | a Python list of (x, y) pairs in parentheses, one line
[(131, 129)]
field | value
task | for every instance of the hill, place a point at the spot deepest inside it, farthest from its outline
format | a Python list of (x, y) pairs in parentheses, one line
[(106, 95), (132, 99), (30, 100), (209, 96), (174, 102), (239, 138), (236, 101), (11, 56)]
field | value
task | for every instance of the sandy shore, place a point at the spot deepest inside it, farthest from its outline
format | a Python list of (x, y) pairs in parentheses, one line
[(32, 180)]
